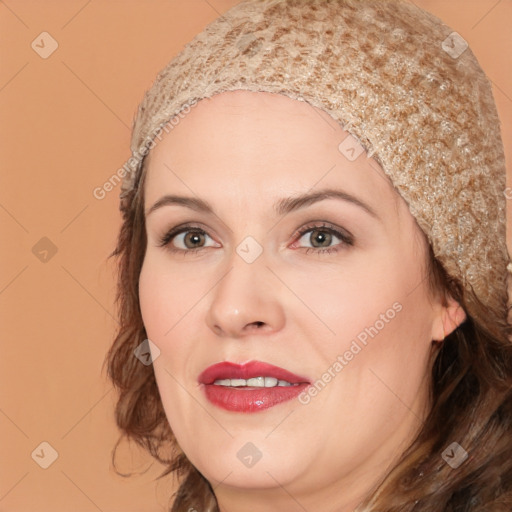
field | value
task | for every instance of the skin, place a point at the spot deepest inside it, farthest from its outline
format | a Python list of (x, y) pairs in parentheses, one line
[(292, 307)]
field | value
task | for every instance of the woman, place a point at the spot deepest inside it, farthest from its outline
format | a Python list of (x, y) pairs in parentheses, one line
[(313, 258)]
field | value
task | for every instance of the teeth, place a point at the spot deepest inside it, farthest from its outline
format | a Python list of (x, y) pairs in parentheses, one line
[(223, 382), (270, 382), (255, 382)]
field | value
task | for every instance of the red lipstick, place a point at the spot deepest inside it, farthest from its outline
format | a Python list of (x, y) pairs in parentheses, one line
[(229, 385)]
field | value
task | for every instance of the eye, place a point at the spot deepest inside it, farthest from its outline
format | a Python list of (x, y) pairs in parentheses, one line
[(322, 238), (187, 239)]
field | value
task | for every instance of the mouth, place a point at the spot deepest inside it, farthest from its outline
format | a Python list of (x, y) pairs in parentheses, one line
[(250, 387)]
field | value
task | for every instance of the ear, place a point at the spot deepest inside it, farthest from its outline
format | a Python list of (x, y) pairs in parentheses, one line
[(450, 316)]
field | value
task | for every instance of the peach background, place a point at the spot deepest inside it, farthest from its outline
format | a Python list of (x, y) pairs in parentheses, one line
[(65, 130)]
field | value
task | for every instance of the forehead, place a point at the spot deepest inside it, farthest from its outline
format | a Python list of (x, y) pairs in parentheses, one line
[(253, 144)]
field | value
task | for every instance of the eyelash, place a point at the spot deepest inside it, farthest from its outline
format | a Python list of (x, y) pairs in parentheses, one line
[(345, 238)]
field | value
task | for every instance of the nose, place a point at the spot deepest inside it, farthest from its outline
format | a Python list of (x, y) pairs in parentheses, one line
[(245, 301)]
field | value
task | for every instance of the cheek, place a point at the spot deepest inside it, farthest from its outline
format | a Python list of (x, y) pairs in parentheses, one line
[(344, 301), (166, 306), (373, 377), (154, 301), (373, 331), (165, 297)]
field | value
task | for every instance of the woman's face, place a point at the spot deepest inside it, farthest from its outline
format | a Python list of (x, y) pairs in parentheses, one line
[(290, 251)]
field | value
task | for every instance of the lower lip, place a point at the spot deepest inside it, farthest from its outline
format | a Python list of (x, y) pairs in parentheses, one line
[(249, 399)]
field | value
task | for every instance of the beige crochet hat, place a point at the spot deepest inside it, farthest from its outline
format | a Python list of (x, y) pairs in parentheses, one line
[(400, 81)]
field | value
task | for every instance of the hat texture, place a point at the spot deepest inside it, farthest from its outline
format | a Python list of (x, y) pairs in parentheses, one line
[(395, 77)]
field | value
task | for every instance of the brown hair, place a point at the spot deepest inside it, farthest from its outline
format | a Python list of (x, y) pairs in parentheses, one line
[(471, 396)]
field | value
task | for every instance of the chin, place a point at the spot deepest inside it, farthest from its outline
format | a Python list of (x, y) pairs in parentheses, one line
[(260, 476), (248, 465)]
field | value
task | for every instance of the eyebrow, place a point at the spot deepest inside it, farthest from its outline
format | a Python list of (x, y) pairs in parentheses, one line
[(281, 207)]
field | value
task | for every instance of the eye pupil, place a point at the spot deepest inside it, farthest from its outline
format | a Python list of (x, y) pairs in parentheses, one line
[(323, 238), (192, 240)]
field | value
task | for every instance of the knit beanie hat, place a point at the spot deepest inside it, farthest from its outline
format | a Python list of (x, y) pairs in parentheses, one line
[(401, 82)]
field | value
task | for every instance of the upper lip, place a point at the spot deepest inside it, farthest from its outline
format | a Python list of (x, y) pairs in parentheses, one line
[(229, 370)]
